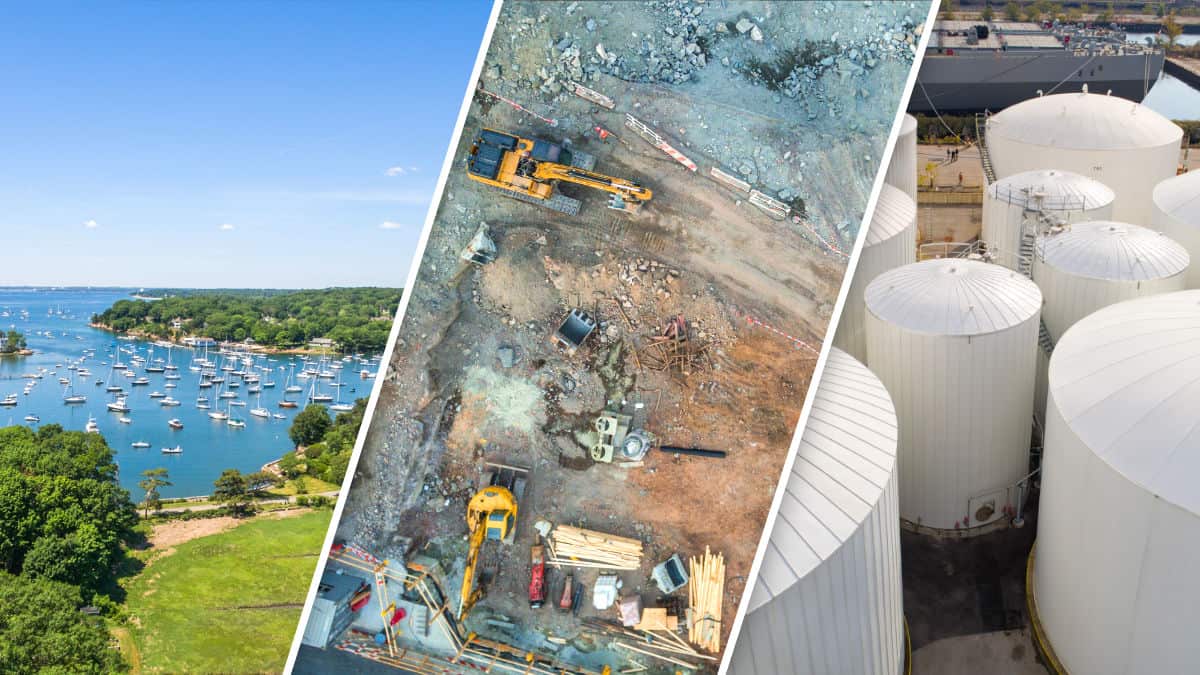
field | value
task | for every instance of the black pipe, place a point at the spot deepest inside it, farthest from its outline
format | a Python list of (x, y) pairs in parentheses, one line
[(699, 452)]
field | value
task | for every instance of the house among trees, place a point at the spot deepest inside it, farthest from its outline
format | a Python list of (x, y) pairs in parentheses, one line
[(322, 343)]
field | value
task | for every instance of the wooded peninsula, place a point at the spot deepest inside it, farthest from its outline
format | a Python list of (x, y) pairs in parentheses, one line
[(356, 319)]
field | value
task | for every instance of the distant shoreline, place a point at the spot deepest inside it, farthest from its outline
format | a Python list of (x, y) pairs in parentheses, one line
[(19, 352), (257, 349)]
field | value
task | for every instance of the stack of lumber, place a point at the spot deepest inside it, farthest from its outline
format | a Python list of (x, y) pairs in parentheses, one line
[(660, 643), (577, 547), (706, 594)]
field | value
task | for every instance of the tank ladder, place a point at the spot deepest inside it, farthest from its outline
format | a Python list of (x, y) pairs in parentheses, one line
[(989, 173)]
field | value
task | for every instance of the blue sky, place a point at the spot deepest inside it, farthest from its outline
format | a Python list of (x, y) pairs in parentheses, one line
[(226, 144)]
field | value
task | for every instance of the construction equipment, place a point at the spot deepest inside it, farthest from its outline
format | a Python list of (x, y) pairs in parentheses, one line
[(574, 330), (491, 517), (537, 576), (530, 170), (564, 600)]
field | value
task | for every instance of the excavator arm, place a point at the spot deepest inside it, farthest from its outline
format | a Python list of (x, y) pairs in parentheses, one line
[(491, 514), (470, 592), (627, 189)]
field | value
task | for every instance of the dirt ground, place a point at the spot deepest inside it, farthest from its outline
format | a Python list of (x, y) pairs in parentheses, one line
[(165, 536), (172, 533), (698, 249)]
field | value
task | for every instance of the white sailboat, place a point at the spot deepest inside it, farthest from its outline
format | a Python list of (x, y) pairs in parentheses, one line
[(260, 411)]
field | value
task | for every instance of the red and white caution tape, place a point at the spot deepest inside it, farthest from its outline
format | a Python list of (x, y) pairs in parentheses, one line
[(792, 338), (518, 106)]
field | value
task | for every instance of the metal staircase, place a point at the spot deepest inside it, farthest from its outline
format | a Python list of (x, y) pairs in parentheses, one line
[(1028, 249), (989, 173)]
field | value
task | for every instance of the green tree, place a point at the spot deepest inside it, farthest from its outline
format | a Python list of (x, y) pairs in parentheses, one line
[(986, 13), (62, 514), (310, 425), (152, 480), (43, 631), (13, 342), (1108, 14), (260, 480), (1032, 13), (231, 490), (1012, 10), (1172, 29)]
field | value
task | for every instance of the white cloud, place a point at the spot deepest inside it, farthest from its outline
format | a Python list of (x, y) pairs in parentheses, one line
[(91, 224), (226, 227), (392, 225), (396, 171)]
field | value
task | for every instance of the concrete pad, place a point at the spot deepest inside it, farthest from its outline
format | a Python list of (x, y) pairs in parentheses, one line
[(999, 653)]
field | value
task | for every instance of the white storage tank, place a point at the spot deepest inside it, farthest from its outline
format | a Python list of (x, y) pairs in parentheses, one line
[(1125, 145), (1095, 264), (902, 170), (955, 341), (891, 242), (837, 528), (1059, 195), (1177, 215), (1119, 519)]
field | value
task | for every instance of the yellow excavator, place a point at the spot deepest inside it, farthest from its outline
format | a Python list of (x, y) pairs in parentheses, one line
[(491, 517), (530, 170)]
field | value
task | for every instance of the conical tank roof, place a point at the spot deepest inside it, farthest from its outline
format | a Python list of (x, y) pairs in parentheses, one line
[(908, 125), (1179, 197), (1104, 249), (1084, 121), (845, 459), (953, 297), (894, 213), (1054, 189), (1127, 382)]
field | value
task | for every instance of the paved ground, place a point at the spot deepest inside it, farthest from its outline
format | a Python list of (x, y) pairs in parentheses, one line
[(259, 502), (999, 653), (946, 172)]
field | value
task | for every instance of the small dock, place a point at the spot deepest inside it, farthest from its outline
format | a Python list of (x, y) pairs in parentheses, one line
[(1185, 68)]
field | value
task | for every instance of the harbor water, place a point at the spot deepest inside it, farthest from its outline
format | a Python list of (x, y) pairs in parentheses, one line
[(55, 323), (1170, 96)]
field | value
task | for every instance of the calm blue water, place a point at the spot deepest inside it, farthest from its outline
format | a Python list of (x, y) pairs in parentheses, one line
[(56, 327), (1170, 96)]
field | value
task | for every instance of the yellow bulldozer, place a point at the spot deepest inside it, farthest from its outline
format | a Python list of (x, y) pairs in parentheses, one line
[(531, 170), (491, 519)]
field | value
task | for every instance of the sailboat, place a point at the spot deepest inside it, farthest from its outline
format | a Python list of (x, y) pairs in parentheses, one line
[(170, 366), (260, 411), (72, 398), (291, 387), (153, 366), (235, 422), (339, 406)]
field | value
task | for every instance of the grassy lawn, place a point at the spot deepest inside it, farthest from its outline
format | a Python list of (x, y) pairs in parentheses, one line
[(226, 602)]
